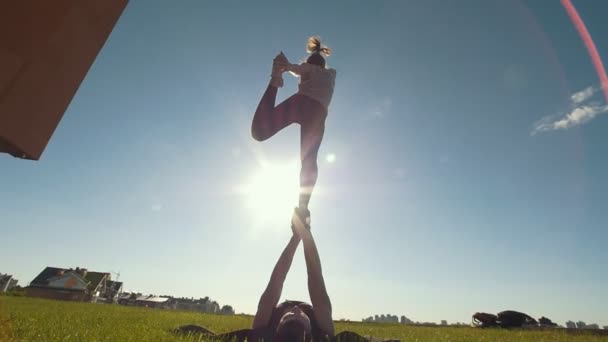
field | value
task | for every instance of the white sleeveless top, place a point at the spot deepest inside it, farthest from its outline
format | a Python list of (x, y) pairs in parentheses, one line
[(315, 82)]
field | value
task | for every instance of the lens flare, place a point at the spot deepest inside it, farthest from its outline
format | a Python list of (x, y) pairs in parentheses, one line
[(589, 44)]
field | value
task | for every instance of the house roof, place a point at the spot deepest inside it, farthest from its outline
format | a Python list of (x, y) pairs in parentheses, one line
[(43, 278), (94, 278), (114, 285), (151, 298), (125, 295), (67, 274)]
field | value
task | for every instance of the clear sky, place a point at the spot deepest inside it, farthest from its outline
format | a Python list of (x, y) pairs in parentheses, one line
[(463, 167)]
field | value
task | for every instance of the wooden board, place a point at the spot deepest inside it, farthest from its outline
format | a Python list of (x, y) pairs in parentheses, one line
[(46, 49)]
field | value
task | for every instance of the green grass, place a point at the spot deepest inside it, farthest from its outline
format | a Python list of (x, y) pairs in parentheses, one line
[(30, 319)]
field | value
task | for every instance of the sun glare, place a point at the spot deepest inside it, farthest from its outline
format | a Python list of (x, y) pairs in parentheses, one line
[(272, 192)]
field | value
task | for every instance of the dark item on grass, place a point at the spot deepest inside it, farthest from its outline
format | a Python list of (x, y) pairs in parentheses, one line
[(504, 319), (251, 335), (515, 319), (545, 322), (484, 320), (236, 336)]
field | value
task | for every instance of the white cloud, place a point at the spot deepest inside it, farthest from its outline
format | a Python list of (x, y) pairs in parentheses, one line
[(582, 111), (583, 95), (577, 116)]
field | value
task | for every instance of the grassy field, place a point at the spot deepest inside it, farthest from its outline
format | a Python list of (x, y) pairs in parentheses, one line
[(29, 319)]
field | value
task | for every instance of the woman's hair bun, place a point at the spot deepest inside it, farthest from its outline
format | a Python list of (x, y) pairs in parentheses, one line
[(314, 46)]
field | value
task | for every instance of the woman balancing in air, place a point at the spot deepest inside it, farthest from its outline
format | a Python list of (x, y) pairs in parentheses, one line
[(308, 107)]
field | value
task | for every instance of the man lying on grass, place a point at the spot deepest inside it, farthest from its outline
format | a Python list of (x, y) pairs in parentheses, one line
[(290, 321), (296, 321)]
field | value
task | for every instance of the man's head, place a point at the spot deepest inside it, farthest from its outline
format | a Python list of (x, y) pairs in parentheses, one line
[(294, 326)]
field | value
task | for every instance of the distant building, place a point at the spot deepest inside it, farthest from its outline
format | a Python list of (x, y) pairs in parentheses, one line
[(570, 325), (7, 282), (113, 290), (388, 318), (405, 320), (427, 324), (201, 305), (152, 301), (460, 324), (147, 301), (68, 284), (127, 298), (168, 302)]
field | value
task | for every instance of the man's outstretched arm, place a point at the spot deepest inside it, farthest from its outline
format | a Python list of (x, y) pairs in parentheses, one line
[(321, 304), (272, 294)]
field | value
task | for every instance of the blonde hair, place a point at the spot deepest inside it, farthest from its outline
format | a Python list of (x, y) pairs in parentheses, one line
[(314, 48)]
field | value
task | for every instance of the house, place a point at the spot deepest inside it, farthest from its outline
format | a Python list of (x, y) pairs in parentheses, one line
[(68, 284), (127, 298), (148, 301), (113, 290), (7, 282), (152, 301), (201, 305)]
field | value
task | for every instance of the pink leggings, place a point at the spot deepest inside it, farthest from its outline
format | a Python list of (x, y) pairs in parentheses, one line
[(310, 114)]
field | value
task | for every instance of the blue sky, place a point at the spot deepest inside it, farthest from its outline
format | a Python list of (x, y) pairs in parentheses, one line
[(454, 188)]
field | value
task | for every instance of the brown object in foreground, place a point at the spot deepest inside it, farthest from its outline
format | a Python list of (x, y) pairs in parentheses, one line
[(46, 49)]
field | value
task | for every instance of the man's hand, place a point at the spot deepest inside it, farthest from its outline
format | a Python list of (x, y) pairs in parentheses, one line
[(282, 61), (321, 303), (272, 294), (298, 227)]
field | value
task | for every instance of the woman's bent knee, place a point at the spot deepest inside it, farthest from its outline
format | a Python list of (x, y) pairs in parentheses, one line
[(257, 134)]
